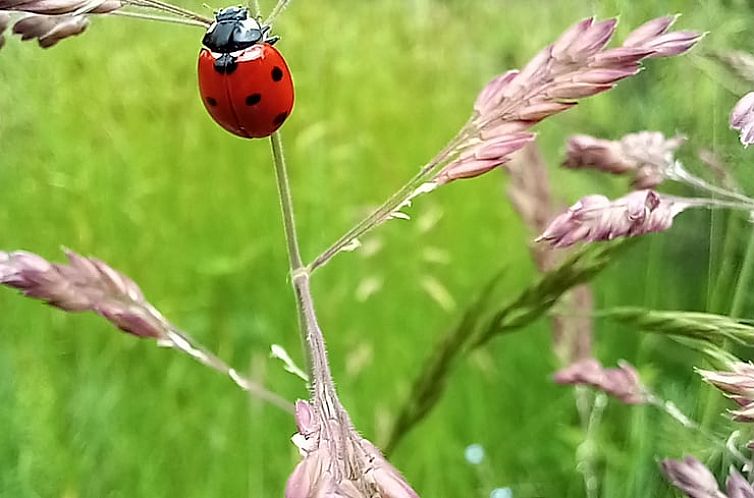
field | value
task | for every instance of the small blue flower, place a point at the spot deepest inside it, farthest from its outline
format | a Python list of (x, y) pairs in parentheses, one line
[(474, 454), (501, 493)]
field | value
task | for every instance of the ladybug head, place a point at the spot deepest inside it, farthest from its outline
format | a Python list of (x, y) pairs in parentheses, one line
[(233, 30)]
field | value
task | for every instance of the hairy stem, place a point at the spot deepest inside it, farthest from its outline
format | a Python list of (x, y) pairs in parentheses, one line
[(312, 337), (280, 6), (296, 267), (311, 334)]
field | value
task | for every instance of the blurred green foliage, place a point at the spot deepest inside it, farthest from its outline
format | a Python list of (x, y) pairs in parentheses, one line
[(105, 148)]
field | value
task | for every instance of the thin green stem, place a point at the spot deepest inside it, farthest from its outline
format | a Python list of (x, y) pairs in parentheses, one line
[(167, 7), (312, 338), (150, 17), (726, 256), (587, 452), (323, 389), (279, 7), (286, 204), (291, 239), (744, 278)]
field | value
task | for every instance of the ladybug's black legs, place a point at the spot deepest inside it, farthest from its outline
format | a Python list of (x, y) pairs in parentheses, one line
[(272, 39)]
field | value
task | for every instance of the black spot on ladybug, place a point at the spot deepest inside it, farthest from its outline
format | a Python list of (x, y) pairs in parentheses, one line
[(211, 102), (277, 74), (280, 118), (253, 99)]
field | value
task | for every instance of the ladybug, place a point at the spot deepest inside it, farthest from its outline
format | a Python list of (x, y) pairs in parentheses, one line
[(244, 81)]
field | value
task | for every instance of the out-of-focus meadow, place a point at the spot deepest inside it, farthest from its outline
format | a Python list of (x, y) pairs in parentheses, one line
[(105, 148)]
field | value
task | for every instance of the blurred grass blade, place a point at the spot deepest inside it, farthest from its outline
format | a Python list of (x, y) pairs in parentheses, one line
[(486, 318), (709, 327)]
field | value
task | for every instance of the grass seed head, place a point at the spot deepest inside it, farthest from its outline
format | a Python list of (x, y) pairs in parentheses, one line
[(647, 155), (49, 30), (742, 118), (84, 284), (576, 66), (622, 383), (691, 477), (597, 218)]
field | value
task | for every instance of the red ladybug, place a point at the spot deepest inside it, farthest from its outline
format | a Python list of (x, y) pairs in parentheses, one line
[(244, 81)]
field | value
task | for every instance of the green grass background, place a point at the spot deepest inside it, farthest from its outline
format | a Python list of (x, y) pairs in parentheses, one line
[(105, 148)]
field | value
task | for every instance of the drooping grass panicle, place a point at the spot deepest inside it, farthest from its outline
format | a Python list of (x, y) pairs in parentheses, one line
[(622, 383), (737, 486), (576, 66), (645, 155), (736, 383), (60, 7), (49, 30), (738, 62), (50, 21), (90, 285), (648, 156), (692, 478), (742, 119), (84, 284), (597, 218)]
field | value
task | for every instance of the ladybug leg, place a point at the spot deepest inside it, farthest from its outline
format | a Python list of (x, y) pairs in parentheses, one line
[(270, 40)]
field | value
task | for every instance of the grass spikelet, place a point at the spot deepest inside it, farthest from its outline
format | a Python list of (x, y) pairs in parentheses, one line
[(691, 324)]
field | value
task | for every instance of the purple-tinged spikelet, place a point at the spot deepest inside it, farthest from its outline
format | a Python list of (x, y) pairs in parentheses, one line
[(84, 284), (742, 118), (576, 66), (691, 477), (737, 486), (646, 155), (622, 383), (597, 218)]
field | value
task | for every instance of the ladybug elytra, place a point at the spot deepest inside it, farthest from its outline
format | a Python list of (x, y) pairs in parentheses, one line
[(244, 81)]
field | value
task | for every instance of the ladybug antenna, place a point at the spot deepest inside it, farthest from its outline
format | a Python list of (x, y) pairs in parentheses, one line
[(279, 8)]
